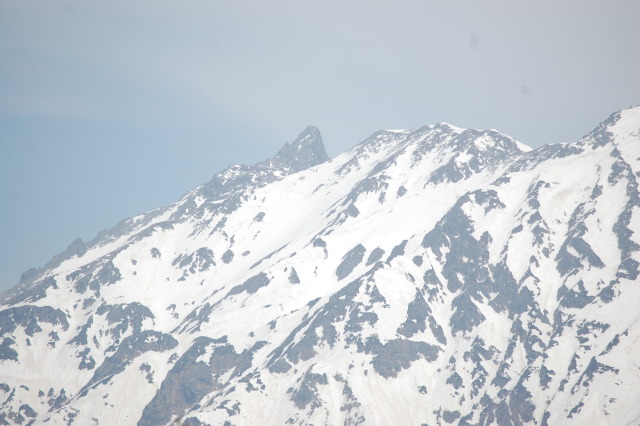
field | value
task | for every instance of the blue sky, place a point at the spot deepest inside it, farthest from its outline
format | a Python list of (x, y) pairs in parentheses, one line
[(110, 109)]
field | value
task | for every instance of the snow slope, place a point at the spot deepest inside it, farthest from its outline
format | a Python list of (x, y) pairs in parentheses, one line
[(430, 276)]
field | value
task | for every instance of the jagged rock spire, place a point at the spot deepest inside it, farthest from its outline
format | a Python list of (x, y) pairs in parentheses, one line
[(304, 152)]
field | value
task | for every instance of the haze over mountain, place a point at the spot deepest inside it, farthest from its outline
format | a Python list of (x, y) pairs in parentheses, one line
[(431, 276)]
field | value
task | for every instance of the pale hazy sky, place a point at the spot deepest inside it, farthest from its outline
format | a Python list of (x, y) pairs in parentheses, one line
[(112, 108)]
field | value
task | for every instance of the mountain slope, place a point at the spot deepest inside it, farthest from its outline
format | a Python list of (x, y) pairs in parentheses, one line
[(429, 276)]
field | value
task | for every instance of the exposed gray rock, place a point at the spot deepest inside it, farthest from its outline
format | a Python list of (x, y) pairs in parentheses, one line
[(109, 274), (531, 159), (293, 276), (350, 260), (466, 315), (94, 275), (304, 152), (280, 366), (196, 318), (121, 317), (592, 369), (455, 380), (450, 416), (352, 210), (307, 391), (30, 275), (227, 257), (546, 376), (30, 317), (375, 182), (198, 261), (252, 285), (375, 255), (81, 337), (191, 379), (418, 314), (490, 155), (86, 360), (301, 343), (395, 355), (28, 291), (6, 352), (397, 251), (319, 242), (576, 297), (130, 348)]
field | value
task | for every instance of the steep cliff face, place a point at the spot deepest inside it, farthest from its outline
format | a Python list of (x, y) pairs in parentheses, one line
[(429, 276)]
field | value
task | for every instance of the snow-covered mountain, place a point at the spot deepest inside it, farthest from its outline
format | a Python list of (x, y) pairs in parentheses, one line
[(430, 276)]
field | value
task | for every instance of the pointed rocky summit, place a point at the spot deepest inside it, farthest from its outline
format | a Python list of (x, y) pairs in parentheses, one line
[(304, 152)]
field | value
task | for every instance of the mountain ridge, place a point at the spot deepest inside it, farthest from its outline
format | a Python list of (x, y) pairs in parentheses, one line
[(313, 130), (440, 275)]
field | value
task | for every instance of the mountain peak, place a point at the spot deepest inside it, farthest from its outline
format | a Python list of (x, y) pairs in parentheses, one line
[(488, 286), (310, 131), (620, 127), (447, 126), (306, 151), (626, 123)]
